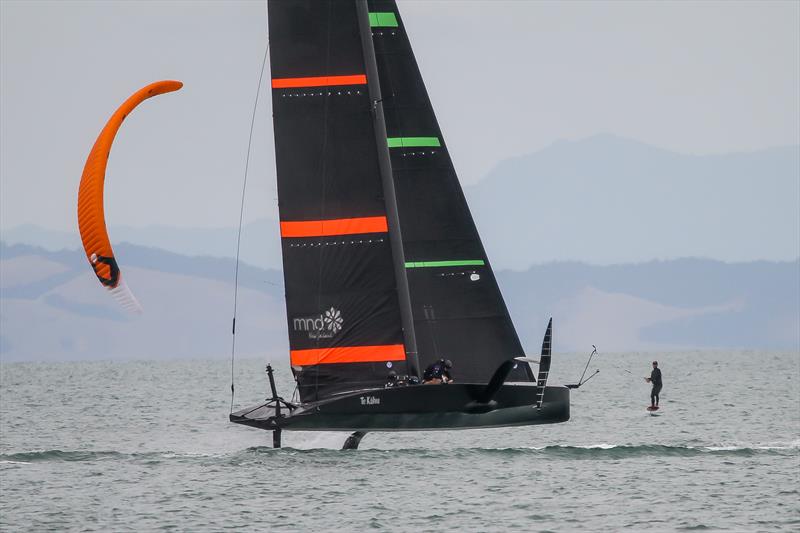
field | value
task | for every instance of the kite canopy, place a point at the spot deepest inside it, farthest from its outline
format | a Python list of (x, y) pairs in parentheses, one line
[(91, 217)]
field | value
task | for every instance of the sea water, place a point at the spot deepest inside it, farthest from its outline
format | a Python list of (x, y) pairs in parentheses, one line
[(145, 446)]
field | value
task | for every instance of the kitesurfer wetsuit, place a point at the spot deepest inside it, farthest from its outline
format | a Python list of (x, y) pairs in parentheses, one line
[(438, 372), (655, 379)]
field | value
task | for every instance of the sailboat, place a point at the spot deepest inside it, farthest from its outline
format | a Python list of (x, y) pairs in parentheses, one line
[(384, 270)]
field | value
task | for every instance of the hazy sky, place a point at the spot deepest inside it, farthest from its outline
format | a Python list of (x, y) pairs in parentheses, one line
[(505, 78)]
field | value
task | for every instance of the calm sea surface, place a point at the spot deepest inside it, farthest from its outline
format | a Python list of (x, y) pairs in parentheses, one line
[(143, 446)]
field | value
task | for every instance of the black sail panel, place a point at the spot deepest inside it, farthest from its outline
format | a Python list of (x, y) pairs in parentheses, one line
[(457, 307), (341, 293)]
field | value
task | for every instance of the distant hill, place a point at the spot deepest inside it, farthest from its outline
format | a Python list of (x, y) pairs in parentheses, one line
[(684, 303), (260, 240), (608, 200), (599, 200), (52, 308)]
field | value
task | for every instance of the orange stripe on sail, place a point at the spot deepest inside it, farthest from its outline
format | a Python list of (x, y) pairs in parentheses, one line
[(349, 354), (318, 81), (338, 226)]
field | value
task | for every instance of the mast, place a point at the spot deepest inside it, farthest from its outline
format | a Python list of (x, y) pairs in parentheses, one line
[(387, 179)]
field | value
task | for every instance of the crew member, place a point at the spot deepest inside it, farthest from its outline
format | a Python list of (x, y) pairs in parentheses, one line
[(438, 372), (655, 379)]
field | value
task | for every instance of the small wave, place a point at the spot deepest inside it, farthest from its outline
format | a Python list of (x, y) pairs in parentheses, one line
[(586, 451), (619, 451), (35, 456), (59, 455), (795, 444), (184, 455)]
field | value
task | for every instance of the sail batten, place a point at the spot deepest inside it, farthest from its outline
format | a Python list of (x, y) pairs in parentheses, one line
[(349, 354), (413, 142), (385, 19), (318, 81), (451, 263), (329, 228)]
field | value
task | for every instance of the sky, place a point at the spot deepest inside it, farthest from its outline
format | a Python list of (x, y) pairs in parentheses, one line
[(505, 78)]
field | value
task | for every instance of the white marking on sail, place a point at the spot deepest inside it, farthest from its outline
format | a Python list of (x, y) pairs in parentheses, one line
[(123, 295)]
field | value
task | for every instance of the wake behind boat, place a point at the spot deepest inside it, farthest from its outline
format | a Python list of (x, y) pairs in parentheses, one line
[(384, 270)]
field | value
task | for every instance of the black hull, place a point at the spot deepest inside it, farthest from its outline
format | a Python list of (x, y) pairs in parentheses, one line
[(417, 408)]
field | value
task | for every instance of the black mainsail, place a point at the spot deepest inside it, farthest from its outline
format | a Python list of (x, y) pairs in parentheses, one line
[(344, 319), (458, 310)]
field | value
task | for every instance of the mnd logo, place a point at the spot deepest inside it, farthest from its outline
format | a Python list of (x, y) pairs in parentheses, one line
[(324, 326)]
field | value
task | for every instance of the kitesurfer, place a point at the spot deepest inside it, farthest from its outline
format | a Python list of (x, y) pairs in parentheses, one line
[(655, 379), (438, 372)]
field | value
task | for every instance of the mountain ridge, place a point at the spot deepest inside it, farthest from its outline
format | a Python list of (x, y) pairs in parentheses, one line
[(608, 200), (53, 308)]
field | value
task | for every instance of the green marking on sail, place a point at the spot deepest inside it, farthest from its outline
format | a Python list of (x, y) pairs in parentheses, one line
[(455, 263), (383, 20), (412, 142)]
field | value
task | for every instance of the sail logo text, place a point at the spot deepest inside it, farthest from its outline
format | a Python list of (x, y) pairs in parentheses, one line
[(324, 326), (370, 400)]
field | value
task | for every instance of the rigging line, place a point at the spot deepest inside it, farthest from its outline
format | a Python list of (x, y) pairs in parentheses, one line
[(241, 218)]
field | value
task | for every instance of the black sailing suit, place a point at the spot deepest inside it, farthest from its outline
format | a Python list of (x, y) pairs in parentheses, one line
[(655, 379), (437, 370)]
